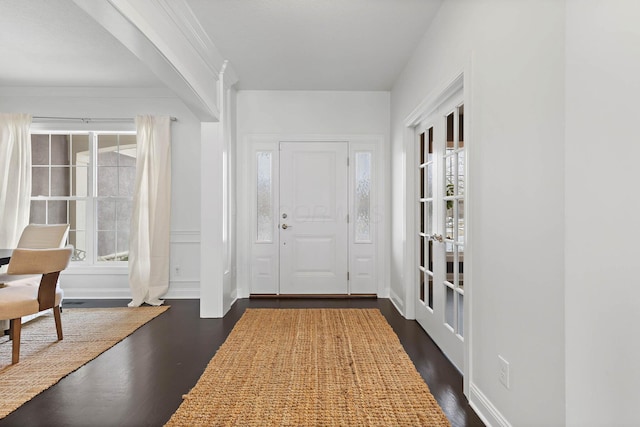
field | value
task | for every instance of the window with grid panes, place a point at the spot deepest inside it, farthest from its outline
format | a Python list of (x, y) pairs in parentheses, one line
[(86, 179)]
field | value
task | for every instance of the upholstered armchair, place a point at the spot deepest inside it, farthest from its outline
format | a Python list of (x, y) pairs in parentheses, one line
[(44, 236), (21, 296)]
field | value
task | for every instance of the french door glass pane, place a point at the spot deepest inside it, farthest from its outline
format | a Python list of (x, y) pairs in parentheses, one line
[(460, 314), (461, 221), (430, 255), (430, 146), (429, 180), (429, 217), (430, 301), (460, 171), (450, 163), (422, 285), (450, 142), (461, 266), (461, 126), (449, 309), (449, 219), (449, 262)]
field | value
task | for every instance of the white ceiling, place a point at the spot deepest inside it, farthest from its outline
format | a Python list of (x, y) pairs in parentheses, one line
[(316, 44), (55, 43), (271, 44)]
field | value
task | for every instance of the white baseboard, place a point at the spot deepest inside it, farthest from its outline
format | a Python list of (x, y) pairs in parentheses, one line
[(96, 293), (487, 412), (179, 290), (184, 290), (397, 302)]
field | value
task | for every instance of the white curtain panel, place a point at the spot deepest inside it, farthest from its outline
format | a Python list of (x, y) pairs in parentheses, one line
[(15, 181), (15, 177), (149, 241)]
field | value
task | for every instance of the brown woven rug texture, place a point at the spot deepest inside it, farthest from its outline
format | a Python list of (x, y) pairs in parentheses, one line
[(310, 367), (44, 360)]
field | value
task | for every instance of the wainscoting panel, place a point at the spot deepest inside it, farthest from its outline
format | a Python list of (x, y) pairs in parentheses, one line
[(113, 282)]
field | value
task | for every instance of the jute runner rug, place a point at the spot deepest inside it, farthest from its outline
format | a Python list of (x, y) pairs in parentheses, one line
[(310, 367), (44, 360)]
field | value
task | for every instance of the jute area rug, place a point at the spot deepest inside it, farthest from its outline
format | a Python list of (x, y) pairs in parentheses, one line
[(44, 360), (310, 367)]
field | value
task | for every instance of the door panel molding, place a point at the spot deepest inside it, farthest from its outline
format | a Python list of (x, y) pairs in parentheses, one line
[(313, 248)]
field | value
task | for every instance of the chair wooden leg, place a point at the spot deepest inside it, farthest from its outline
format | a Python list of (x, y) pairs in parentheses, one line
[(56, 315), (15, 327)]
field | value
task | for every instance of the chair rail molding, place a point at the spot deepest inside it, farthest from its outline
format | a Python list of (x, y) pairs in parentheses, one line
[(185, 236)]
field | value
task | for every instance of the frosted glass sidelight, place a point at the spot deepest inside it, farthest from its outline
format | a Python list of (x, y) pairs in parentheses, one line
[(264, 196), (363, 197)]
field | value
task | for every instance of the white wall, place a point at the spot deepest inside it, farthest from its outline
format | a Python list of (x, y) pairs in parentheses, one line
[(312, 112), (305, 113), (602, 211), (185, 206), (516, 110)]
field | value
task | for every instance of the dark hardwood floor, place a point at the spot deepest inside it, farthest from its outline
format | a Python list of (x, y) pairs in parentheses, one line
[(141, 380)]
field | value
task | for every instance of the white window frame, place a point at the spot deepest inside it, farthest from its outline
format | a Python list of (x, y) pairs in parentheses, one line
[(90, 263)]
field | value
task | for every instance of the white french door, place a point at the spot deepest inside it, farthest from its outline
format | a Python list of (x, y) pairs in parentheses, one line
[(440, 241), (313, 228)]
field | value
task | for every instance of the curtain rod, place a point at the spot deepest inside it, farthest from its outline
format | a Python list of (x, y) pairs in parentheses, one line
[(90, 119)]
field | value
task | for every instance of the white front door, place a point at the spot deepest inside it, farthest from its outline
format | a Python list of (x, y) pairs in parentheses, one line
[(312, 219), (441, 228)]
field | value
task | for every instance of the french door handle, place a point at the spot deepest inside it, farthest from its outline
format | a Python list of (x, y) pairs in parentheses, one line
[(437, 237)]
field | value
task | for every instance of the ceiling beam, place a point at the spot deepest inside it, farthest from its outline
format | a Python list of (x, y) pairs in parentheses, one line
[(167, 37)]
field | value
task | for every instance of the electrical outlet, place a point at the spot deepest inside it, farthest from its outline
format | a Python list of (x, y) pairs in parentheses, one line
[(503, 372)]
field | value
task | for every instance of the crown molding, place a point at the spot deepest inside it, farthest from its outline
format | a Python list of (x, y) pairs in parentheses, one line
[(189, 25), (150, 33)]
